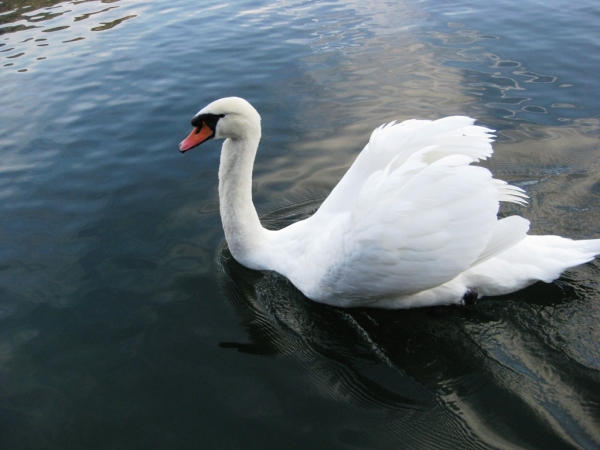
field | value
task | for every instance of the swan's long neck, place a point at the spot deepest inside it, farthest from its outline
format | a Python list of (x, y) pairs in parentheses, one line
[(243, 231)]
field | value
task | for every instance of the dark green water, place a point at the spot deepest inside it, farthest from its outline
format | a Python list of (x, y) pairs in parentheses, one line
[(124, 321)]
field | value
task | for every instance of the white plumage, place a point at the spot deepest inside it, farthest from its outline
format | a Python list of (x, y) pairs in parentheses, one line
[(410, 224)]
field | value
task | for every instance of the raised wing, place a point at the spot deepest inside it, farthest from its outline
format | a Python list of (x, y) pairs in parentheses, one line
[(418, 221), (398, 142)]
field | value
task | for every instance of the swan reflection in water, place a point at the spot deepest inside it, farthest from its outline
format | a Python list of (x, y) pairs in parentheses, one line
[(451, 375)]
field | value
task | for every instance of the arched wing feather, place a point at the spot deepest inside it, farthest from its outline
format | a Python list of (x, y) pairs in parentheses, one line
[(409, 215), (398, 142), (413, 231)]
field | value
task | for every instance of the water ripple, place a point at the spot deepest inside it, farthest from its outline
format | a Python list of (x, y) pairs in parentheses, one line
[(114, 312), (65, 22)]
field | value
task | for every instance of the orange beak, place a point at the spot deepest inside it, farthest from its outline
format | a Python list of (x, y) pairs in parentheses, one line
[(196, 137)]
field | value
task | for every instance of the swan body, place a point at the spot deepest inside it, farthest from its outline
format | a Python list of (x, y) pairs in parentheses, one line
[(410, 224)]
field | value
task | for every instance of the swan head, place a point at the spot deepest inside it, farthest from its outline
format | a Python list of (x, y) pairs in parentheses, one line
[(226, 118)]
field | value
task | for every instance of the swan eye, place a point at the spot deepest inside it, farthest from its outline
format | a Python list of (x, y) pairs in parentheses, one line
[(209, 119)]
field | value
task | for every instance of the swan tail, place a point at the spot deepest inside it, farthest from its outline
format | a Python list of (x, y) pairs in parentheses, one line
[(535, 258), (507, 233)]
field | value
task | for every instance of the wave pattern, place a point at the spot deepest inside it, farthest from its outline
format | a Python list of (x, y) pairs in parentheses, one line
[(34, 31)]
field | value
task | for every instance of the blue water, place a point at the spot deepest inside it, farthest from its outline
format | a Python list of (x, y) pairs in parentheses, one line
[(124, 321)]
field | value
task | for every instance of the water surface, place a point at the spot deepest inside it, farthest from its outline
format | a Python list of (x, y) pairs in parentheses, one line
[(124, 321)]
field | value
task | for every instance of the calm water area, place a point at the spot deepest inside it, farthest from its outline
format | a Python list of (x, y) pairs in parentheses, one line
[(126, 324)]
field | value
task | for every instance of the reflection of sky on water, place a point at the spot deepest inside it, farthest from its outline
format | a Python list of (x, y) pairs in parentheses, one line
[(514, 78), (34, 31), (538, 65)]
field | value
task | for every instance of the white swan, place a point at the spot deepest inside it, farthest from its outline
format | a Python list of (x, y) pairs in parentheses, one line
[(410, 224)]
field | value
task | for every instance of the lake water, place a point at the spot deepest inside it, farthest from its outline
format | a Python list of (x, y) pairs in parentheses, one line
[(124, 321)]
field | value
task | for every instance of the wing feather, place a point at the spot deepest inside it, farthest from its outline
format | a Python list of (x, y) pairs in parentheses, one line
[(397, 142), (409, 215), (409, 235)]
